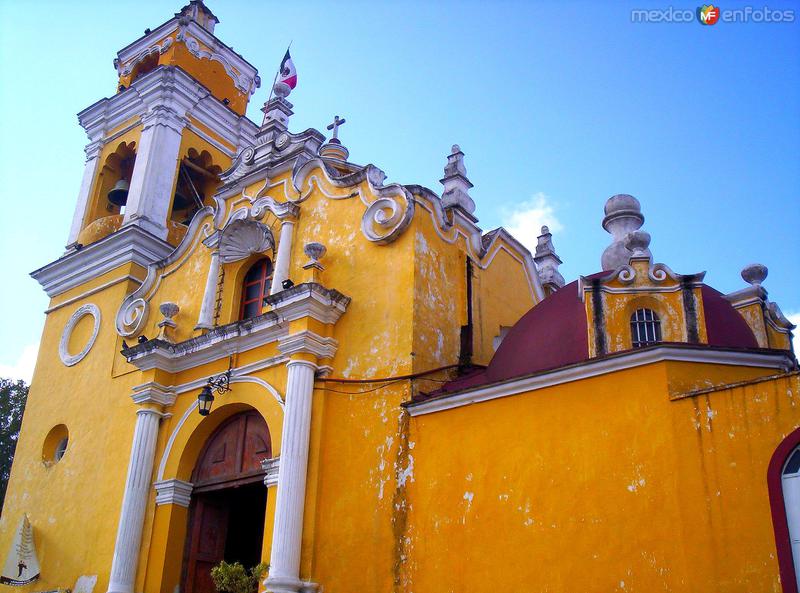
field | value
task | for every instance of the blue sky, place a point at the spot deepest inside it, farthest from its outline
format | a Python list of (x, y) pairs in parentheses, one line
[(557, 105)]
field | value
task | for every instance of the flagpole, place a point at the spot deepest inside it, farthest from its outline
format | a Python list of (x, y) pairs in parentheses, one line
[(272, 87)]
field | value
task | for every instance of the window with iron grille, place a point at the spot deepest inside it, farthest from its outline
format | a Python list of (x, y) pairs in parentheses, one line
[(645, 328), (255, 287)]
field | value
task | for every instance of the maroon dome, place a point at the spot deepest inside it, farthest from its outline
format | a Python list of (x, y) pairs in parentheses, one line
[(724, 325), (554, 334)]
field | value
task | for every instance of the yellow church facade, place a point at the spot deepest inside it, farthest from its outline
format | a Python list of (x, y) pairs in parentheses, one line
[(257, 350)]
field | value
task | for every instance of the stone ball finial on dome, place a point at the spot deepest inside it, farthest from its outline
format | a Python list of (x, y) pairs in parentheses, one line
[(755, 274), (623, 215)]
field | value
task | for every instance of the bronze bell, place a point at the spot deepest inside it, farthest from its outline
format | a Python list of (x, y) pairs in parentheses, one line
[(119, 193), (181, 201)]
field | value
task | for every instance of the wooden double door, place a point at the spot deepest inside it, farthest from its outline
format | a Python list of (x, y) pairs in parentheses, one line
[(226, 515)]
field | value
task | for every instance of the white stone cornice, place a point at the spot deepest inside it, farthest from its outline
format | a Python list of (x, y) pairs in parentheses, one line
[(163, 115), (271, 468), (217, 343), (173, 491), (129, 244), (309, 300), (308, 342), (243, 74), (153, 393), (172, 87), (592, 368)]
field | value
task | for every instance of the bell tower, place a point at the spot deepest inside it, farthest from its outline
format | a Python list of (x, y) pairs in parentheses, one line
[(156, 147)]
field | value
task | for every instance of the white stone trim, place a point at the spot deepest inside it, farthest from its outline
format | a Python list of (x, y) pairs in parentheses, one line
[(63, 346), (284, 256), (309, 300), (173, 491), (172, 88), (130, 244), (95, 290), (238, 375), (593, 368), (271, 469)]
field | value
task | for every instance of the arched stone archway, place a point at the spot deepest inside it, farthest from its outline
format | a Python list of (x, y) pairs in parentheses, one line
[(226, 515)]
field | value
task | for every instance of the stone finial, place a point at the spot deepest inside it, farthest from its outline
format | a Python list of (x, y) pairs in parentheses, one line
[(315, 252), (200, 13), (754, 274), (637, 242), (547, 262), (168, 310), (623, 216), (277, 110), (456, 184)]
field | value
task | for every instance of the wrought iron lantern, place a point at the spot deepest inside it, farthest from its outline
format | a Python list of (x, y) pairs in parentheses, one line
[(221, 384)]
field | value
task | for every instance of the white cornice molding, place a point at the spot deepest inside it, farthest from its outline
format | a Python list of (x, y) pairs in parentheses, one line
[(216, 344), (173, 88), (304, 300), (593, 368), (243, 73), (173, 491), (309, 300), (129, 244)]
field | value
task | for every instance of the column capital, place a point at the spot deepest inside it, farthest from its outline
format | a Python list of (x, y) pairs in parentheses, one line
[(153, 393), (173, 491), (164, 115), (271, 469), (307, 342), (93, 149)]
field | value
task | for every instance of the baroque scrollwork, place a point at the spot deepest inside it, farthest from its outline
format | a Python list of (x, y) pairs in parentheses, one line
[(390, 208), (242, 82), (135, 309), (126, 68)]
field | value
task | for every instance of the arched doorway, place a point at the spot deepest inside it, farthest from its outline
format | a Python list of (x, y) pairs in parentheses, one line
[(226, 516)]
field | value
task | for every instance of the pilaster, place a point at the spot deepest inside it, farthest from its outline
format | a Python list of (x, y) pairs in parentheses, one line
[(153, 179), (284, 257), (90, 171)]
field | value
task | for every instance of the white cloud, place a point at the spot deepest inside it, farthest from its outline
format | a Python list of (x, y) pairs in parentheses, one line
[(525, 221), (23, 367), (795, 318)]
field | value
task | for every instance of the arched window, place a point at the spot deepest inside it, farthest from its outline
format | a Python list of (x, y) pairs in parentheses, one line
[(256, 286), (783, 482), (645, 328), (790, 479)]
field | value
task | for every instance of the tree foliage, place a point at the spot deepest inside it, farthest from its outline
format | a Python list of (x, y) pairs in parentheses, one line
[(234, 578), (12, 404)]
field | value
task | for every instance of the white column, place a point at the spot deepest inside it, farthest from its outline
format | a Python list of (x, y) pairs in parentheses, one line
[(206, 318), (150, 194), (84, 194), (284, 572), (134, 502), (283, 259)]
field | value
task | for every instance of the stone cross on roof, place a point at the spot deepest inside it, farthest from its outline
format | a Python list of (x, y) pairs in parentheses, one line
[(335, 127)]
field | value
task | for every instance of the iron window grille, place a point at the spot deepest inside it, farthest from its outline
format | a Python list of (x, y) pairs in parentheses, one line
[(645, 328)]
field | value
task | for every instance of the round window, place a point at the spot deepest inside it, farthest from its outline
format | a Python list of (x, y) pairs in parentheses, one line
[(55, 444)]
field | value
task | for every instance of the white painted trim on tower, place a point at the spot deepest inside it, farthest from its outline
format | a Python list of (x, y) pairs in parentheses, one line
[(173, 491)]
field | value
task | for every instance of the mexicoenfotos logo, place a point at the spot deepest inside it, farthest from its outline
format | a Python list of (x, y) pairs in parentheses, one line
[(708, 14)]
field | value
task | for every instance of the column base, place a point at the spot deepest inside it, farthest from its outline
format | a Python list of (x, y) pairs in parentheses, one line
[(279, 584)]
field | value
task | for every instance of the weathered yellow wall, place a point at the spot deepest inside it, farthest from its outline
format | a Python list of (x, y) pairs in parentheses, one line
[(586, 487), (74, 504)]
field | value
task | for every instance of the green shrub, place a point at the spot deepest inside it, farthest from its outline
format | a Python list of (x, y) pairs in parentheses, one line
[(234, 578)]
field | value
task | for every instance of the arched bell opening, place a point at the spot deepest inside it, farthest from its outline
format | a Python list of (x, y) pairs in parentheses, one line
[(229, 499), (111, 194), (198, 180), (148, 64)]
